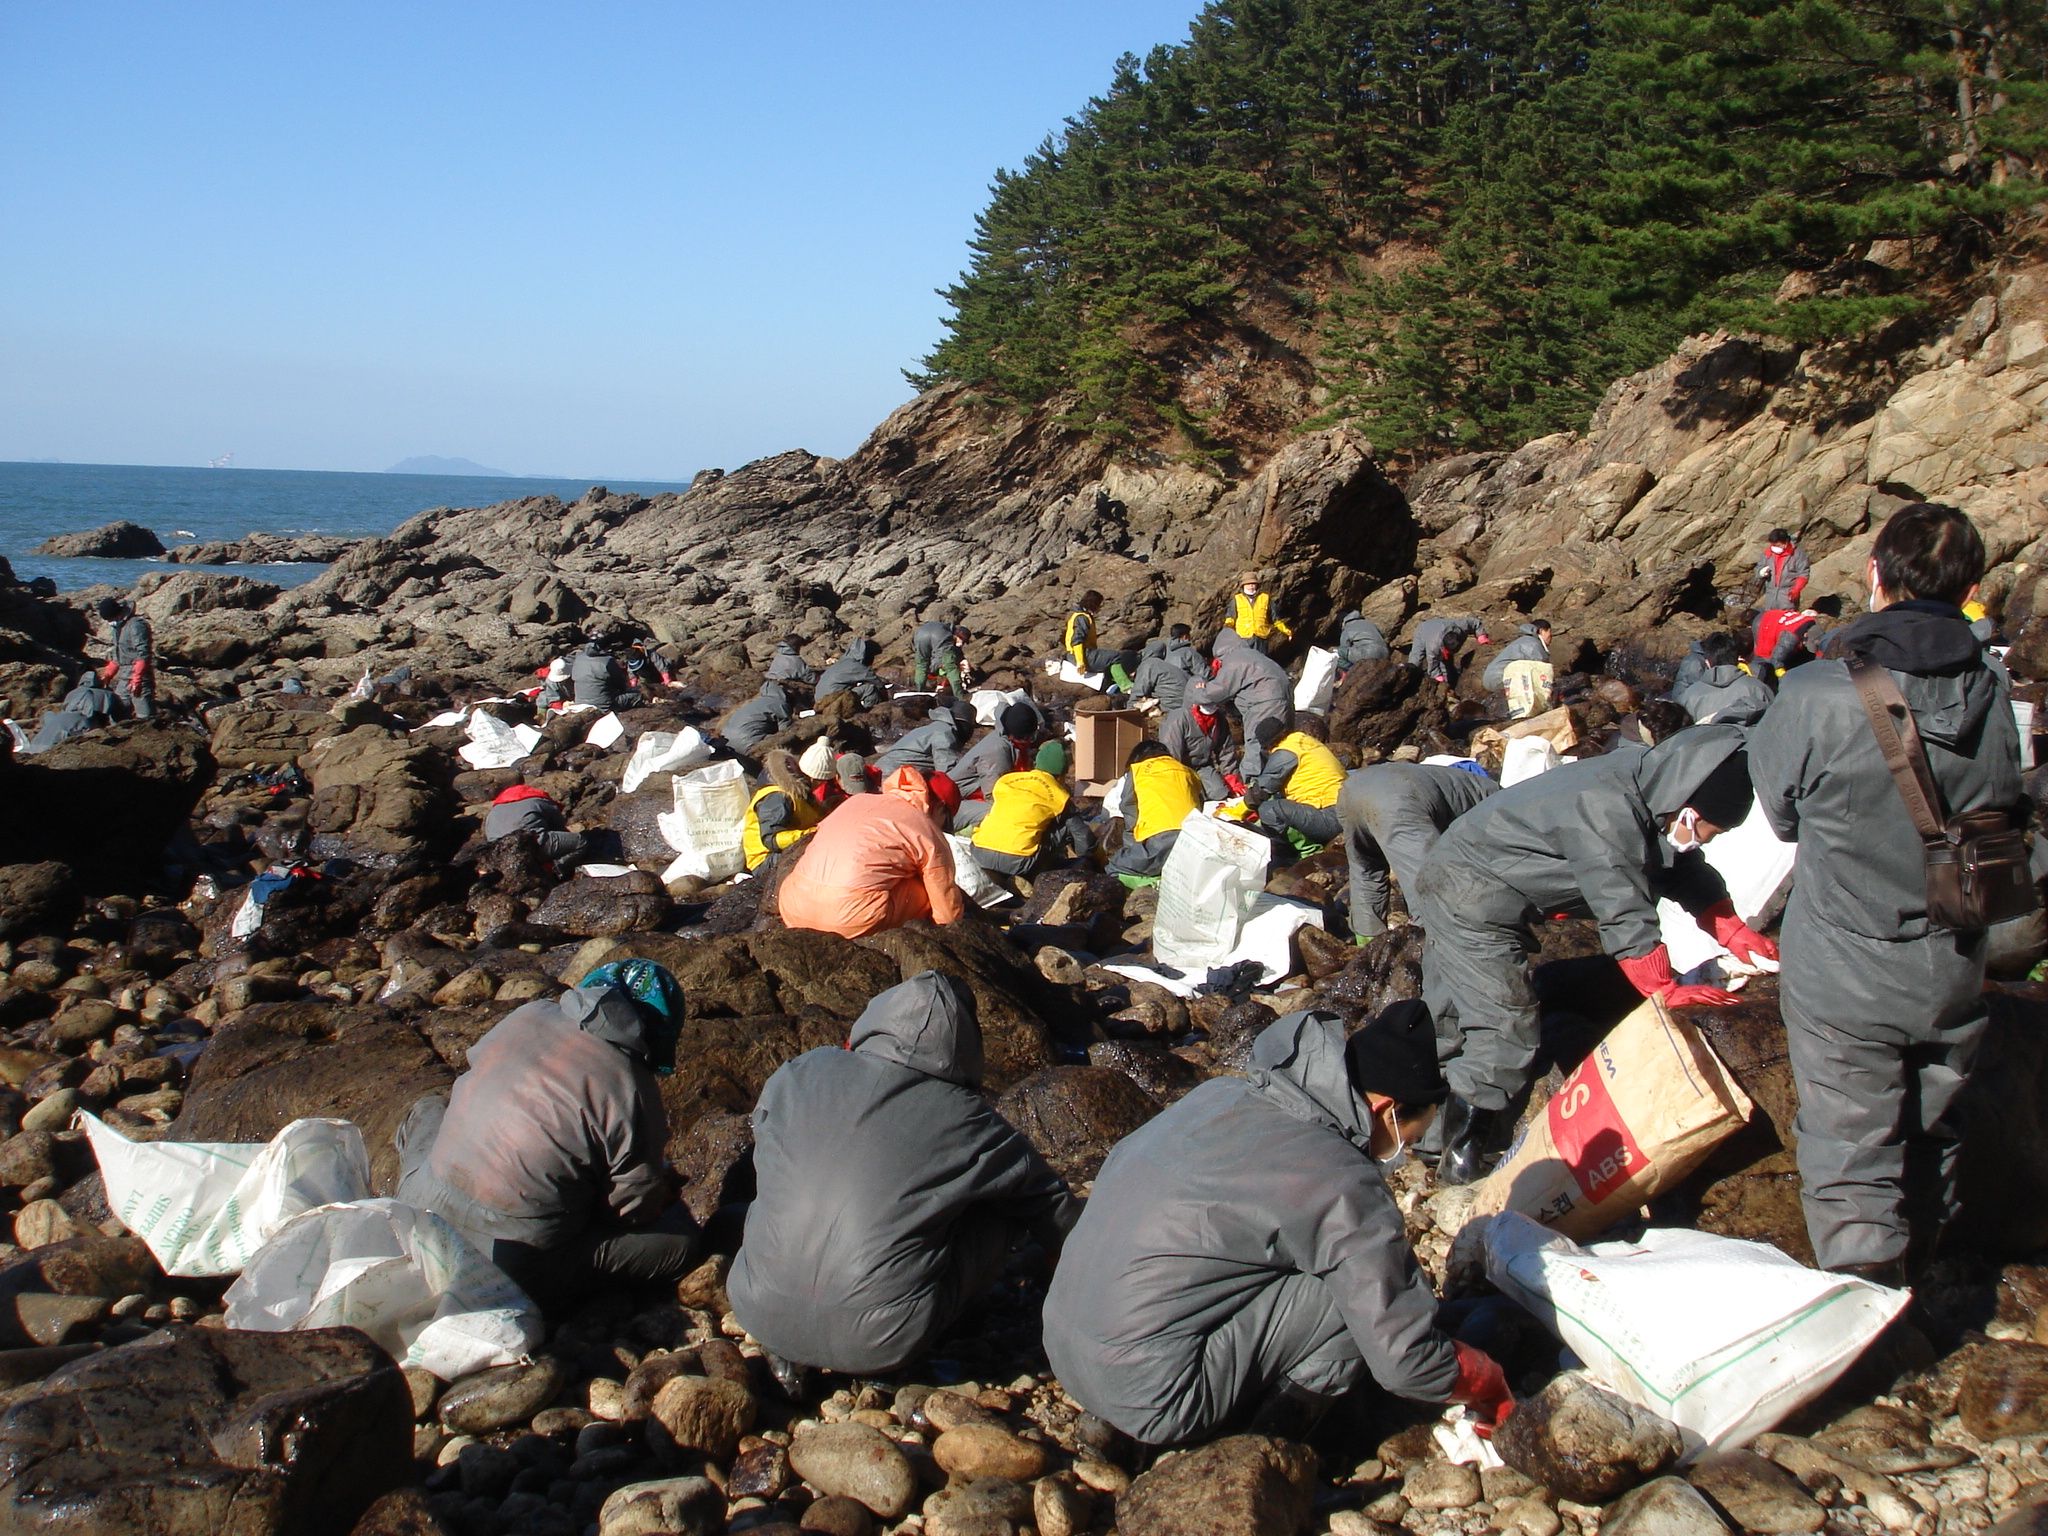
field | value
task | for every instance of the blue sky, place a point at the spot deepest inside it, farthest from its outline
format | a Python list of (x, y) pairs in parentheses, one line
[(604, 237)]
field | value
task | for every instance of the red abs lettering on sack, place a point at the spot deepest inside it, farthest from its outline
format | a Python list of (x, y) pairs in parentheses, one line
[(1589, 1133)]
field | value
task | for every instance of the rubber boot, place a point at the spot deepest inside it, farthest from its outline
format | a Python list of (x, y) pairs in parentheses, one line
[(1467, 1131), (1121, 677)]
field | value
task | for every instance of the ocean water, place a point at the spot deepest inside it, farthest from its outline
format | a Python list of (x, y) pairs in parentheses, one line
[(38, 500)]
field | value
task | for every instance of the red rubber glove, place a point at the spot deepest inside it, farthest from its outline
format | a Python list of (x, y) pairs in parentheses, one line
[(1734, 935), (1236, 784), (1483, 1387), (1651, 975)]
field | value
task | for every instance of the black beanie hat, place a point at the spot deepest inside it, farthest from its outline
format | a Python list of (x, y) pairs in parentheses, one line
[(1019, 720), (1395, 1055), (1726, 796)]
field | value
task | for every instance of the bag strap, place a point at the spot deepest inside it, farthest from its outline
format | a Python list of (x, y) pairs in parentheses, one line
[(1899, 741)]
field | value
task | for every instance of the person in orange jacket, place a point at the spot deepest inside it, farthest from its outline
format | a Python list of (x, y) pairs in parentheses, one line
[(875, 863)]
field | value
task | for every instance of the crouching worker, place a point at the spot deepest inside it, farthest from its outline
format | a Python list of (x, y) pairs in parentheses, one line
[(889, 1192), (783, 812), (1393, 813), (547, 1154), (875, 863), (85, 708), (1159, 794), (1032, 822), (1298, 782), (1604, 838), (522, 808), (1241, 1263)]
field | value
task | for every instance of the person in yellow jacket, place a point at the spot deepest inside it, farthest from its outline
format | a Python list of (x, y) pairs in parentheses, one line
[(1032, 821), (783, 812), (1251, 614), (1298, 781), (1078, 641), (1158, 793)]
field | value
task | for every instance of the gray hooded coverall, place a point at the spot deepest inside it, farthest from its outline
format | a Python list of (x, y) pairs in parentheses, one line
[(1211, 753), (598, 679), (1883, 1013), (1436, 641), (759, 718), (1240, 1243), (132, 649), (542, 817), (1164, 670), (1360, 640), (1526, 646), (787, 665), (931, 748), (935, 654), (890, 1193), (84, 707), (1393, 813), (1250, 681), (1587, 840), (1778, 584), (1724, 695), (852, 674)]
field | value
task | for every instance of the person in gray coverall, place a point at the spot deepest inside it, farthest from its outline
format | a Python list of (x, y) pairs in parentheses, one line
[(597, 679), (1199, 736), (767, 712), (787, 665), (1006, 749), (1604, 837), (131, 656), (1883, 1011), (1723, 693), (1393, 813), (1531, 643), (933, 747), (1241, 1263), (1359, 639), (851, 673), (1436, 643), (890, 1194), (523, 808), (547, 1155), (1165, 667), (1252, 683), (938, 648), (84, 708)]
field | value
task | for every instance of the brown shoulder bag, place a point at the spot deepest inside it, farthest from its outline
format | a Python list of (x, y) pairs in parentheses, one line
[(1977, 866)]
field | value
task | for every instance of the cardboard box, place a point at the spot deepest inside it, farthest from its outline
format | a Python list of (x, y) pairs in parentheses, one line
[(1103, 743)]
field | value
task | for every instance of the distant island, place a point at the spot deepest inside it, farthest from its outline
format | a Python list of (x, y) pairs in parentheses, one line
[(434, 464)]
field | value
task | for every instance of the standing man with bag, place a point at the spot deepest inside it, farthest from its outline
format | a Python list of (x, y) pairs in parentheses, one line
[(1884, 939)]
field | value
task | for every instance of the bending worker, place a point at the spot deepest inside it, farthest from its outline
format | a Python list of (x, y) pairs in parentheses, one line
[(1298, 781), (1164, 669), (523, 808), (1159, 794), (851, 673), (933, 747), (787, 665), (762, 716), (890, 1192), (547, 1153), (1393, 813), (1253, 684), (938, 648), (1078, 641), (875, 863), (1521, 669), (1006, 749), (1358, 640), (1241, 1263), (1436, 643), (85, 708), (1604, 837), (1032, 822), (1199, 737), (1723, 692), (1251, 614), (598, 680)]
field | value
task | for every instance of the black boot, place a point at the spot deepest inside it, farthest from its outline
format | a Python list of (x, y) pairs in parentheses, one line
[(793, 1379), (1467, 1131)]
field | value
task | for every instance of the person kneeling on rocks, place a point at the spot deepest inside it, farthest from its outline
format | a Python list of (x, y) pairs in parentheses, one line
[(85, 708), (1241, 1263), (853, 674), (783, 812), (1298, 781), (547, 1154), (767, 712), (522, 808), (1032, 822), (875, 863), (890, 1194), (597, 680), (1006, 749), (1159, 794)]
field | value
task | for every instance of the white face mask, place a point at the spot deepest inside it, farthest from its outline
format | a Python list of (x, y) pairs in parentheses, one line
[(1251, 591), (1687, 822)]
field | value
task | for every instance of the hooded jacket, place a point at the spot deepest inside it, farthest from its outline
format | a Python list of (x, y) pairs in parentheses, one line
[(1164, 670), (1725, 695), (1585, 839), (787, 665), (1251, 680), (1781, 577), (978, 768), (866, 1159), (1692, 666), (933, 641), (1241, 1184), (1821, 779), (852, 674), (84, 708), (1182, 735), (1360, 640), (931, 748), (1434, 637), (759, 718), (557, 1122), (875, 862), (596, 678), (1527, 645), (522, 808)]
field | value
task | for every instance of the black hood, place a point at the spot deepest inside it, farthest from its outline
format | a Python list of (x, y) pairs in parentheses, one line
[(1924, 638)]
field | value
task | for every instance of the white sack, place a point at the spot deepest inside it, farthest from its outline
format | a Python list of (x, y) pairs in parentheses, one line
[(248, 917), (601, 870), (1318, 680), (205, 1207), (664, 752), (1526, 757), (1120, 802), (1723, 1338), (403, 1276), (976, 883), (1065, 670), (607, 731), (989, 703), (1205, 892), (494, 744), (1755, 864), (708, 821)]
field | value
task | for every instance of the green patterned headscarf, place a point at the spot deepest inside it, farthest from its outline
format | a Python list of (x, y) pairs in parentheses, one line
[(658, 997)]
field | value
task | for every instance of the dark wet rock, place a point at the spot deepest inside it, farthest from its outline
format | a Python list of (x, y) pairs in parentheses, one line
[(1021, 1013), (1153, 1068), (597, 905), (839, 1517), (760, 1472), (2004, 1391), (402, 1512), (120, 540), (490, 1400), (37, 898), (382, 792), (645, 1381), (515, 866), (715, 1158), (1245, 1485), (1756, 1494), (105, 803), (1583, 1442), (856, 1461), (1386, 971), (2030, 1519), (1232, 1032), (704, 1414), (285, 1061), (199, 1432), (721, 1064), (90, 1265), (1670, 1506), (676, 1506), (1383, 704), (1075, 1115), (252, 736)]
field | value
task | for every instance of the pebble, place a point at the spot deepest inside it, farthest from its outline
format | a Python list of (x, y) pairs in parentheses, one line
[(1061, 1506), (836, 1516), (945, 1410), (425, 1387), (54, 1113), (1665, 1506), (453, 1447), (645, 1381), (42, 1222), (675, 1506), (1757, 1494), (1349, 1522), (427, 1440), (1442, 1485), (1103, 1477), (984, 1450), (48, 1319), (561, 1421), (1583, 1442), (704, 1415), (855, 1462), (1530, 1516), (606, 1398), (2004, 1392), (505, 1395), (761, 1471), (486, 1471)]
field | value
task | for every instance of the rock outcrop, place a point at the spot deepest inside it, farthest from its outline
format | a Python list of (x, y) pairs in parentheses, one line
[(113, 541)]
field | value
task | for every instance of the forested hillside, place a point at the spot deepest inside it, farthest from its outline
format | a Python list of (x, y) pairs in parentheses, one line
[(1456, 222)]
